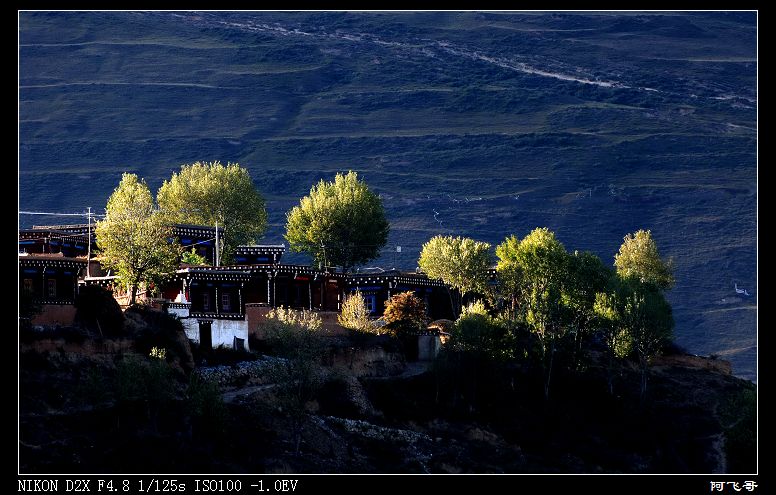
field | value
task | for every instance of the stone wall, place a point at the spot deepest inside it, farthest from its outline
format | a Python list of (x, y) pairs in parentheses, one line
[(55, 314), (370, 362), (254, 314)]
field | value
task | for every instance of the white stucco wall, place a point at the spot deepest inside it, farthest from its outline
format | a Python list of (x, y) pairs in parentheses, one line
[(179, 312), (428, 347), (191, 327), (223, 331)]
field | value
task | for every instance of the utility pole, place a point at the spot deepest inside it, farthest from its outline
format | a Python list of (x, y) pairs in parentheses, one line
[(88, 239), (217, 245)]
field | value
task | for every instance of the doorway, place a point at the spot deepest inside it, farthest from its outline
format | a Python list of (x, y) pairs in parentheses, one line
[(205, 334)]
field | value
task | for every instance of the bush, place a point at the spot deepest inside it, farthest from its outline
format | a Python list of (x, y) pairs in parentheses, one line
[(472, 365), (151, 328), (206, 406), (354, 314), (306, 319), (147, 381), (405, 314)]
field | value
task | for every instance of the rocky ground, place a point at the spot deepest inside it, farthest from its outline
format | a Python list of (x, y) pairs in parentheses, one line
[(71, 421), (81, 411)]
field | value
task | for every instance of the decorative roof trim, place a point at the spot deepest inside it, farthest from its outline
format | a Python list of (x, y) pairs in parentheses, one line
[(32, 260), (261, 249)]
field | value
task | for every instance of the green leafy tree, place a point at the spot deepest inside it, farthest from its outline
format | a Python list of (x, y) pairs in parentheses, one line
[(460, 262), (340, 223), (635, 318), (133, 237), (647, 317), (210, 194), (509, 273), (354, 314), (644, 312), (405, 313), (587, 276), (639, 258), (472, 362), (193, 258), (477, 331), (608, 308), (537, 270)]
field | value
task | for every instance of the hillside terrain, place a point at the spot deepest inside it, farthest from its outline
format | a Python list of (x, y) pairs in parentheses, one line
[(478, 124), (101, 405)]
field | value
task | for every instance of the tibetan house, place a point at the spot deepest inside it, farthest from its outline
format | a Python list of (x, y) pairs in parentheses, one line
[(218, 305), (51, 261), (377, 289)]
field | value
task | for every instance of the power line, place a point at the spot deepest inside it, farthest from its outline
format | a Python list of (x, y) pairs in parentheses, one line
[(59, 214)]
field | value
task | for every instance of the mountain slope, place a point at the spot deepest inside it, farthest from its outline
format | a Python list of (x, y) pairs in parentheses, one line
[(479, 124)]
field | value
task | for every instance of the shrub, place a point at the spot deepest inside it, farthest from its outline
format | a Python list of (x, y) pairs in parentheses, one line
[(405, 314), (354, 314), (151, 328), (148, 381), (303, 318), (206, 406)]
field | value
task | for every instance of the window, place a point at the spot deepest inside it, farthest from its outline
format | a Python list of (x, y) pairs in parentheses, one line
[(206, 301), (370, 302), (52, 288), (28, 287), (226, 302)]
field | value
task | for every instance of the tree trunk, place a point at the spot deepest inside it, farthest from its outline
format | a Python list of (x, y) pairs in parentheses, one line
[(644, 365), (132, 294), (549, 373), (452, 304)]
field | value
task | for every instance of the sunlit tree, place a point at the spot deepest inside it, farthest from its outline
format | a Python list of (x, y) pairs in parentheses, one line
[(340, 223), (215, 194), (134, 239), (460, 262)]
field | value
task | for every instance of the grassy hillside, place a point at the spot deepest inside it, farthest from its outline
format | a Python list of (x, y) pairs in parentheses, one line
[(593, 125)]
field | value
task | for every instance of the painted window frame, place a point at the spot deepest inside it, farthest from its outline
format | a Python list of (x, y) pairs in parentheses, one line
[(370, 301)]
